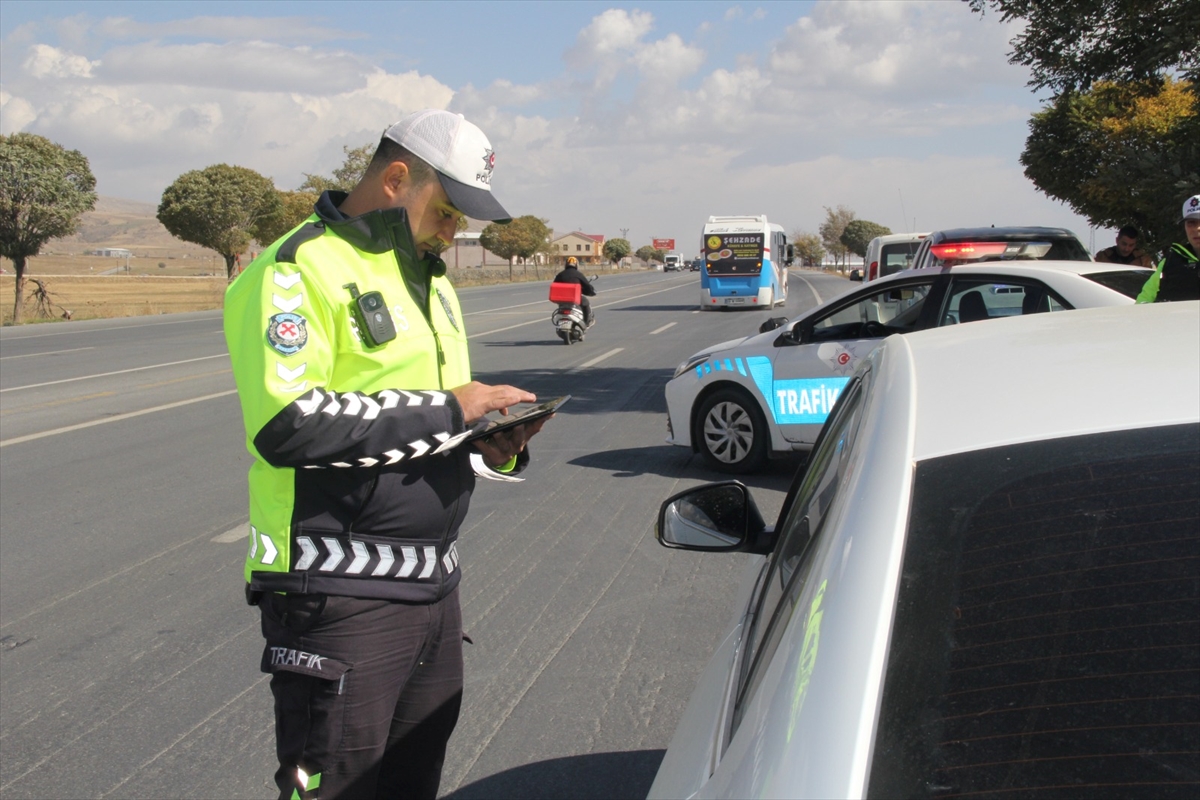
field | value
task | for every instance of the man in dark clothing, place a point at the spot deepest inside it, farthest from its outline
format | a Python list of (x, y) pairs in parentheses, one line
[(1178, 275), (1126, 251), (572, 275)]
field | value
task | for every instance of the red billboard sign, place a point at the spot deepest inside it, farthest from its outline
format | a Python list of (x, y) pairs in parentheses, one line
[(664, 244)]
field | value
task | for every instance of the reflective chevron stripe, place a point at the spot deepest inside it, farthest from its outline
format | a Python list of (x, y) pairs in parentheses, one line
[(377, 561), (286, 281), (354, 404)]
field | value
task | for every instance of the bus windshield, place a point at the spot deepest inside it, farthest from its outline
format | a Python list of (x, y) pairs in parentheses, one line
[(734, 253)]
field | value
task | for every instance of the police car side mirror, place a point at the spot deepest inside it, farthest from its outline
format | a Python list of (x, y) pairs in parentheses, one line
[(714, 518), (772, 324)]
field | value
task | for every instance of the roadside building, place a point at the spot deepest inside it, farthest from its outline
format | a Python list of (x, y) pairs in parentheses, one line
[(112, 252), (467, 252), (587, 247)]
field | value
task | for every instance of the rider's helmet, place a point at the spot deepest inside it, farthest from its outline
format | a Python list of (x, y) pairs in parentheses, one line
[(572, 261)]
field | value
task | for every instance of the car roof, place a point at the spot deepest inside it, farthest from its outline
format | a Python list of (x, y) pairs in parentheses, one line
[(892, 238), (1047, 376), (992, 234), (1017, 267)]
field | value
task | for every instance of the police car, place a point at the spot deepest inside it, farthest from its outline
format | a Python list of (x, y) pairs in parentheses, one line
[(738, 402), (1012, 614)]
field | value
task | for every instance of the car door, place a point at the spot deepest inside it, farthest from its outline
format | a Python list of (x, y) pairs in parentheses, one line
[(814, 358), (981, 297)]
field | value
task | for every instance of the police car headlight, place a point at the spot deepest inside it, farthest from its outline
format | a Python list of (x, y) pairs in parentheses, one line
[(689, 364)]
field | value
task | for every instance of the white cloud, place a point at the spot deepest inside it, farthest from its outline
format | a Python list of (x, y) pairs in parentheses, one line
[(905, 49), (844, 105), (236, 29), (15, 114), (240, 66), (668, 59), (45, 61), (613, 32)]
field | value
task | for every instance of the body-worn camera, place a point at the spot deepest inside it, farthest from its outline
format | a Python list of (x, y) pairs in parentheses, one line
[(374, 319)]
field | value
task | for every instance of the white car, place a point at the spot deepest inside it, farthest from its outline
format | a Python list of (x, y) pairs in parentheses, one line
[(983, 584), (738, 402)]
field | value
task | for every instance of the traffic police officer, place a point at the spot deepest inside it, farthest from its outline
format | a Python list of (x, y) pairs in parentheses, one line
[(351, 364), (1178, 274)]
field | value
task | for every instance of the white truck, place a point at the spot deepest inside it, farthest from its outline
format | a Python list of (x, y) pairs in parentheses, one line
[(672, 262)]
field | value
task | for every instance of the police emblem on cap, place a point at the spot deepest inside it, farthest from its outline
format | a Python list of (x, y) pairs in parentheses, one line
[(489, 164), (287, 333)]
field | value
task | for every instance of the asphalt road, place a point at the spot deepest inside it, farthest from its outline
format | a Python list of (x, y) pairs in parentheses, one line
[(129, 660)]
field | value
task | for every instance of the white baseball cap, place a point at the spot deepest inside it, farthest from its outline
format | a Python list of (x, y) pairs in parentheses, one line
[(461, 154), (1191, 207)]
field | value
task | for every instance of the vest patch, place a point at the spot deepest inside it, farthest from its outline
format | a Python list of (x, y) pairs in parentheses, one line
[(449, 311), (287, 333)]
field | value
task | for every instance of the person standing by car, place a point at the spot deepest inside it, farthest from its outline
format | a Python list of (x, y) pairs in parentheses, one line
[(1126, 251), (351, 365), (1178, 274), (571, 274)]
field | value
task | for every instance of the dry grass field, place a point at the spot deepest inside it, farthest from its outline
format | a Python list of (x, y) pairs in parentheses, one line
[(92, 296), (103, 296)]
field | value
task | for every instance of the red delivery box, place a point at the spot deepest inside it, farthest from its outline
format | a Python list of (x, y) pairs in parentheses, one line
[(565, 293)]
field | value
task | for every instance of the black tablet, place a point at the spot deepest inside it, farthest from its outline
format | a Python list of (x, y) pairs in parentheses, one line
[(495, 425)]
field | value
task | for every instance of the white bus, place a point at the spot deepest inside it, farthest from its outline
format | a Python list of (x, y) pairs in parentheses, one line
[(745, 263)]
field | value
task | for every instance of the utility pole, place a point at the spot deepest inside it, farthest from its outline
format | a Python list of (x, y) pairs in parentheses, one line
[(624, 233)]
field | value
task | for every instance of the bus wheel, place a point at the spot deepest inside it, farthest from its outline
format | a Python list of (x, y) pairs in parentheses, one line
[(731, 432)]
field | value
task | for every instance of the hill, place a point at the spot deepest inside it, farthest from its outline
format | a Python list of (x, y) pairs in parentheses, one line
[(117, 222)]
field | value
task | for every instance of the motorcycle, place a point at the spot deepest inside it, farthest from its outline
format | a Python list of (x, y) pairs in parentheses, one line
[(568, 318)]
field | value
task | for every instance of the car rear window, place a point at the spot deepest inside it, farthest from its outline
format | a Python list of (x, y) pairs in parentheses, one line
[(1046, 641), (1128, 282), (896, 257)]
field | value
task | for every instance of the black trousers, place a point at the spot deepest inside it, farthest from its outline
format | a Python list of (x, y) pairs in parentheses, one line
[(367, 693)]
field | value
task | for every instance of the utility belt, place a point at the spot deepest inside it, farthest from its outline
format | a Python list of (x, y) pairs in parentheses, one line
[(355, 565)]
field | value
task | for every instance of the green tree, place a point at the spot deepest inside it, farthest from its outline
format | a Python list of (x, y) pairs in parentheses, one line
[(44, 189), (218, 207), (808, 248), (294, 208), (831, 232), (647, 253), (345, 177), (1071, 44), (859, 233), (522, 238), (1120, 154), (616, 249)]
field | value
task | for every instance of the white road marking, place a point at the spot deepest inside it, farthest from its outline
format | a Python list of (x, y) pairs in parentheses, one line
[(663, 328), (50, 353), (541, 320), (118, 372), (596, 360), (237, 533), (811, 288), (117, 418), (108, 328)]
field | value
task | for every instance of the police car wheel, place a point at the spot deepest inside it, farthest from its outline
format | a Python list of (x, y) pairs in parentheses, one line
[(731, 432)]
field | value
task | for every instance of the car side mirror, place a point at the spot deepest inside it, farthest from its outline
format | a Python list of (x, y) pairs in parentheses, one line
[(772, 324), (714, 518), (856, 275)]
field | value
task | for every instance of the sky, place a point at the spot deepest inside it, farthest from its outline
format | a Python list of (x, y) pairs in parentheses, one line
[(646, 117)]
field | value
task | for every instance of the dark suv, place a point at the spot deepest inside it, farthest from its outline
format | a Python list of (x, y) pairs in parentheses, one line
[(966, 245)]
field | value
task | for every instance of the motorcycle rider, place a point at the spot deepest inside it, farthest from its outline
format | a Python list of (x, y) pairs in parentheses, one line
[(571, 274)]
